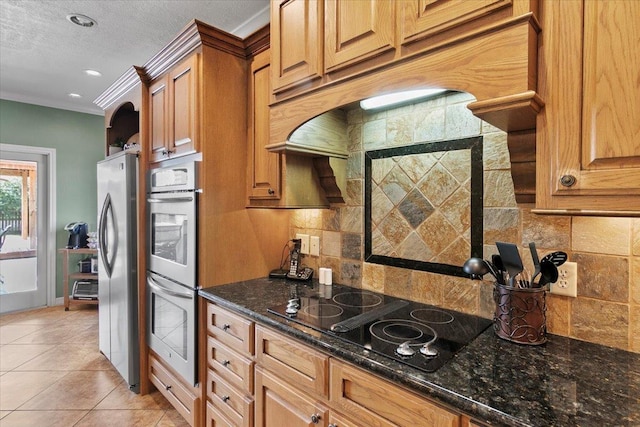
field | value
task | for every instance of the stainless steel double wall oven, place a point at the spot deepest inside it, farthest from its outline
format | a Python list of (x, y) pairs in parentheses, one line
[(172, 267)]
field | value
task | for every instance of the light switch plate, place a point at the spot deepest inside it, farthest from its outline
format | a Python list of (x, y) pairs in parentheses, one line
[(314, 246)]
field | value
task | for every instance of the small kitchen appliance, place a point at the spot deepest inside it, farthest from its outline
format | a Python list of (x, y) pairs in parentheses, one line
[(77, 235)]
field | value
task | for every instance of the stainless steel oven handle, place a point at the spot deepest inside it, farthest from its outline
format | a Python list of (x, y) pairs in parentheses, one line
[(162, 290), (171, 200)]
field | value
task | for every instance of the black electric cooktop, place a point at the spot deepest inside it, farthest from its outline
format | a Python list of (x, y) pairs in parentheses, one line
[(422, 336)]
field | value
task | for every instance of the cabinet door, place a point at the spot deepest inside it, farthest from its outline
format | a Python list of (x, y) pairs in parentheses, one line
[(279, 404), (423, 18), (264, 166), (183, 90), (374, 401), (159, 119), (357, 30), (296, 42), (589, 133)]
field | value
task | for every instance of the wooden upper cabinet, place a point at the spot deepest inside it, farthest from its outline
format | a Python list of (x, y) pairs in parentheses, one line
[(159, 119), (589, 135), (183, 81), (611, 67), (424, 18), (357, 30), (296, 45), (264, 167), (173, 111)]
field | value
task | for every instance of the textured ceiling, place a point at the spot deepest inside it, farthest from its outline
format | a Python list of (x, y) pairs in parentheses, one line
[(42, 55)]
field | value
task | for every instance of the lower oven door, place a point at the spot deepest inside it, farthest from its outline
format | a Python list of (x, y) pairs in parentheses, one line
[(171, 328)]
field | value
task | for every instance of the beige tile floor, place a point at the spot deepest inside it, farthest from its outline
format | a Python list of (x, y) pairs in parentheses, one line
[(52, 374)]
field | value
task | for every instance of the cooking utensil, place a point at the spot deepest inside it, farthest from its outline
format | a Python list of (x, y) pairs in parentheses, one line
[(536, 262), (475, 267), (557, 258), (497, 262), (548, 271), (478, 267), (511, 259)]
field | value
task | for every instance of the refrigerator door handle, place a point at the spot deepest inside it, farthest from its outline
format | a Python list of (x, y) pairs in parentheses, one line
[(162, 290), (103, 241)]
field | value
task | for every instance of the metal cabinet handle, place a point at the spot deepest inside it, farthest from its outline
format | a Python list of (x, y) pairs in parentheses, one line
[(167, 387), (225, 363), (271, 191), (225, 398), (166, 152), (567, 180), (226, 327), (332, 425), (315, 418)]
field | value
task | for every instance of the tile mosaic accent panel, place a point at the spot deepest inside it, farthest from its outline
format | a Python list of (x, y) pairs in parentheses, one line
[(423, 205)]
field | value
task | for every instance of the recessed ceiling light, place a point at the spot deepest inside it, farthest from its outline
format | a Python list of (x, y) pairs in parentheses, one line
[(75, 95), (93, 73), (398, 98), (82, 20)]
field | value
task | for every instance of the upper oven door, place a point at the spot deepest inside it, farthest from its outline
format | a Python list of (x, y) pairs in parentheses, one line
[(172, 236)]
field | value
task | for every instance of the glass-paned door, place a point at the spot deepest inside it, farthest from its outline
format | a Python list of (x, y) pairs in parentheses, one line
[(22, 217)]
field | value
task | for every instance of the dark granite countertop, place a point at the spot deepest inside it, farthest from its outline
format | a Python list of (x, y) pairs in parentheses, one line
[(564, 382)]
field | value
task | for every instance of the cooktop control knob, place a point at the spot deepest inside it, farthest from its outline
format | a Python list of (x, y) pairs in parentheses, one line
[(292, 307), (428, 351), (405, 349)]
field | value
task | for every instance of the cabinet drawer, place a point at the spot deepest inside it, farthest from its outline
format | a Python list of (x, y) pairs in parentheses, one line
[(231, 366), (183, 400), (232, 403), (338, 420), (294, 362), (230, 329), (215, 418), (374, 401)]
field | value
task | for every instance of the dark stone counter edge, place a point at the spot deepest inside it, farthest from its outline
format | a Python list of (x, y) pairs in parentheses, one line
[(386, 368)]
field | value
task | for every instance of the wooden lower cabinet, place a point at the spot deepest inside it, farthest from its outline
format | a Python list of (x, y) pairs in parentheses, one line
[(183, 398), (374, 401), (279, 404), (213, 418), (229, 382), (288, 383)]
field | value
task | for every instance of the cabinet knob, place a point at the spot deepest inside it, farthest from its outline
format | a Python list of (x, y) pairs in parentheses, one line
[(225, 363), (271, 191), (226, 327), (225, 398), (315, 418), (332, 425), (167, 387), (567, 180)]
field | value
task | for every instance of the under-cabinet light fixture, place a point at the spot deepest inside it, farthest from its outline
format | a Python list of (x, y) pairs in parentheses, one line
[(398, 98)]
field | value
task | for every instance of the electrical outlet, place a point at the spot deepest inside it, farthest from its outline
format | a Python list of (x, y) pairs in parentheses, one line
[(304, 243), (567, 283), (314, 246)]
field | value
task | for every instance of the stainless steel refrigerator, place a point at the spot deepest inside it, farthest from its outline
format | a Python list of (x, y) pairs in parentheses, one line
[(117, 268)]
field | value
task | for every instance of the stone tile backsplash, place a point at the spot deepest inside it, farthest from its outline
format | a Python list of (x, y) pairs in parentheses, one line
[(607, 309)]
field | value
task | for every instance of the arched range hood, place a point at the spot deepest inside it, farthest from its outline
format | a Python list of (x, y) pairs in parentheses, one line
[(498, 66)]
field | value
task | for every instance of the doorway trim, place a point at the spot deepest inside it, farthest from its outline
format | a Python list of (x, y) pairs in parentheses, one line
[(50, 156)]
